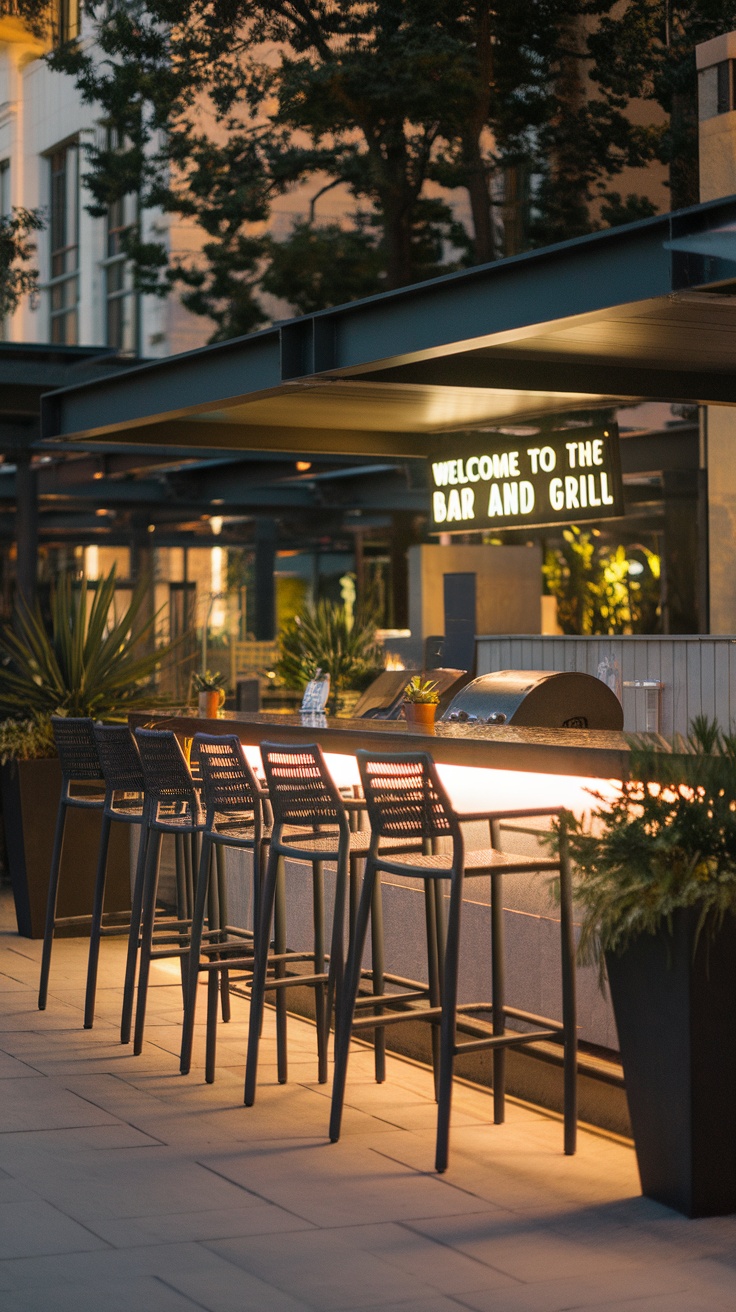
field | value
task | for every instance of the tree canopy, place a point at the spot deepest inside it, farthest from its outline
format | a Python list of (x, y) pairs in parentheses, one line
[(215, 108)]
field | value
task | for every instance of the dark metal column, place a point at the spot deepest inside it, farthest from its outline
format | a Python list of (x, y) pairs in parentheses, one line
[(26, 525), (265, 582)]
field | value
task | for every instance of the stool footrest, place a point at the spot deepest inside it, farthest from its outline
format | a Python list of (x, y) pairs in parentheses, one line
[(393, 1017), (373, 1001), (289, 981), (505, 1041)]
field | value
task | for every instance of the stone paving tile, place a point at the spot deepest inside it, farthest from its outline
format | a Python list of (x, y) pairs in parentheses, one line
[(35, 1106), (31, 1226), (124, 1186), (145, 1294), (325, 1269), (341, 1184)]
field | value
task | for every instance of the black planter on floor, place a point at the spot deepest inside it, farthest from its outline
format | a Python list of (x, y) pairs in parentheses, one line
[(30, 799), (675, 1008)]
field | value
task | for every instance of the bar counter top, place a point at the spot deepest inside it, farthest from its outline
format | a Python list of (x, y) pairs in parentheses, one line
[(595, 754)]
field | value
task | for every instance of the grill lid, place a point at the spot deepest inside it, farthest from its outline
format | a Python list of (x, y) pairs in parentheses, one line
[(545, 699)]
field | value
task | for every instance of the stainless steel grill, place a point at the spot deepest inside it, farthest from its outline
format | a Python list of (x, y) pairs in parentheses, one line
[(545, 699)]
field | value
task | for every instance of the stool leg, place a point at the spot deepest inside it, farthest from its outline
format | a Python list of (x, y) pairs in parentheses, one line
[(195, 945), (149, 910), (337, 943), (498, 991), (279, 926), (134, 936), (260, 965), (433, 971), (96, 926), (449, 1021), (320, 1011), (378, 967), (223, 973), (48, 936), (569, 1017), (213, 995), (346, 1010)]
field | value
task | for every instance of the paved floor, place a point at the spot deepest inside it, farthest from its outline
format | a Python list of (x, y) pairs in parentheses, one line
[(127, 1188)]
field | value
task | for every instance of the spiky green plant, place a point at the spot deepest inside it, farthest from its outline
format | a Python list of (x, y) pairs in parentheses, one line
[(86, 663), (665, 841), (322, 637), (421, 692)]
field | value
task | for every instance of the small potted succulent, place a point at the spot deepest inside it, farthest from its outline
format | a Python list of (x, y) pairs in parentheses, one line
[(210, 693), (421, 699)]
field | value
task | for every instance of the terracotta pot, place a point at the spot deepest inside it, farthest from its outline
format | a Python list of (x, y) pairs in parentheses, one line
[(420, 715), (210, 702)]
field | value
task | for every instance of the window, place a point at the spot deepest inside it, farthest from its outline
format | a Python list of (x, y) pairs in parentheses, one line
[(65, 20), (63, 284), (4, 212), (120, 296), (4, 187), (725, 88)]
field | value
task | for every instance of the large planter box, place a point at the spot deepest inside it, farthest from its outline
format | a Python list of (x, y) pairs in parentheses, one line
[(675, 1008), (30, 798)]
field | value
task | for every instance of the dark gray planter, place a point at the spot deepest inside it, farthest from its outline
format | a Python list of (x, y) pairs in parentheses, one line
[(675, 1009), (30, 799)]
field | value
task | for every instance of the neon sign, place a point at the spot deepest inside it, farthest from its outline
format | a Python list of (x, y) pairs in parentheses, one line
[(496, 481)]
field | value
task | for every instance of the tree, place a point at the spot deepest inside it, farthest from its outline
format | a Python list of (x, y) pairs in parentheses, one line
[(646, 49), (18, 276), (216, 107)]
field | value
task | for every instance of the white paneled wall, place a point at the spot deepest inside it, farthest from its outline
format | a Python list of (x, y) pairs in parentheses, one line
[(698, 673)]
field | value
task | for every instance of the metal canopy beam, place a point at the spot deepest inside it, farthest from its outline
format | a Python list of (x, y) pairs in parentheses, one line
[(616, 288)]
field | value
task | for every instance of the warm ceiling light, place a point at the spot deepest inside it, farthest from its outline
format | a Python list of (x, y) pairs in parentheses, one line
[(98, 474), (216, 524), (303, 466), (151, 528)]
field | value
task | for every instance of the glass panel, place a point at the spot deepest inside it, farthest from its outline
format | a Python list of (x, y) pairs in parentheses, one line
[(64, 242)]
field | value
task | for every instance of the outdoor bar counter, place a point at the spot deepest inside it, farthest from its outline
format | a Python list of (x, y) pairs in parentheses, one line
[(482, 766), (593, 754)]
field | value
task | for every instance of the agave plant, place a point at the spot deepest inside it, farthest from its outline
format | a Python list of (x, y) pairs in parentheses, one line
[(87, 663), (322, 637)]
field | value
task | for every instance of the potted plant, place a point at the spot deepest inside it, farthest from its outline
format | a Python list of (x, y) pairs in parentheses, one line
[(86, 662), (656, 885), (421, 699), (328, 638), (210, 690)]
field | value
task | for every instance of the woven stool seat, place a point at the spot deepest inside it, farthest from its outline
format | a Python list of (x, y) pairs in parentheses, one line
[(480, 862)]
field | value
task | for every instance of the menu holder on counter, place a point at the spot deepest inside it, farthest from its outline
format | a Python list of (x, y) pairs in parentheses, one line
[(316, 694)]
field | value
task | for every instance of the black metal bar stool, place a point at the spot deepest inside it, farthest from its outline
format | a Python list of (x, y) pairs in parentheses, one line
[(80, 768), (233, 802), (311, 822), (405, 796), (172, 806), (121, 769), (125, 804)]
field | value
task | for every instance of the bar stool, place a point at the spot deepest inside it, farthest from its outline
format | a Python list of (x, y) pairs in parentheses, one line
[(172, 806), (311, 822), (124, 803), (233, 802), (80, 765), (405, 796)]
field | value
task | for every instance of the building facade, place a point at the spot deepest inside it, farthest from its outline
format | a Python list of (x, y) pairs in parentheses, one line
[(86, 292)]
